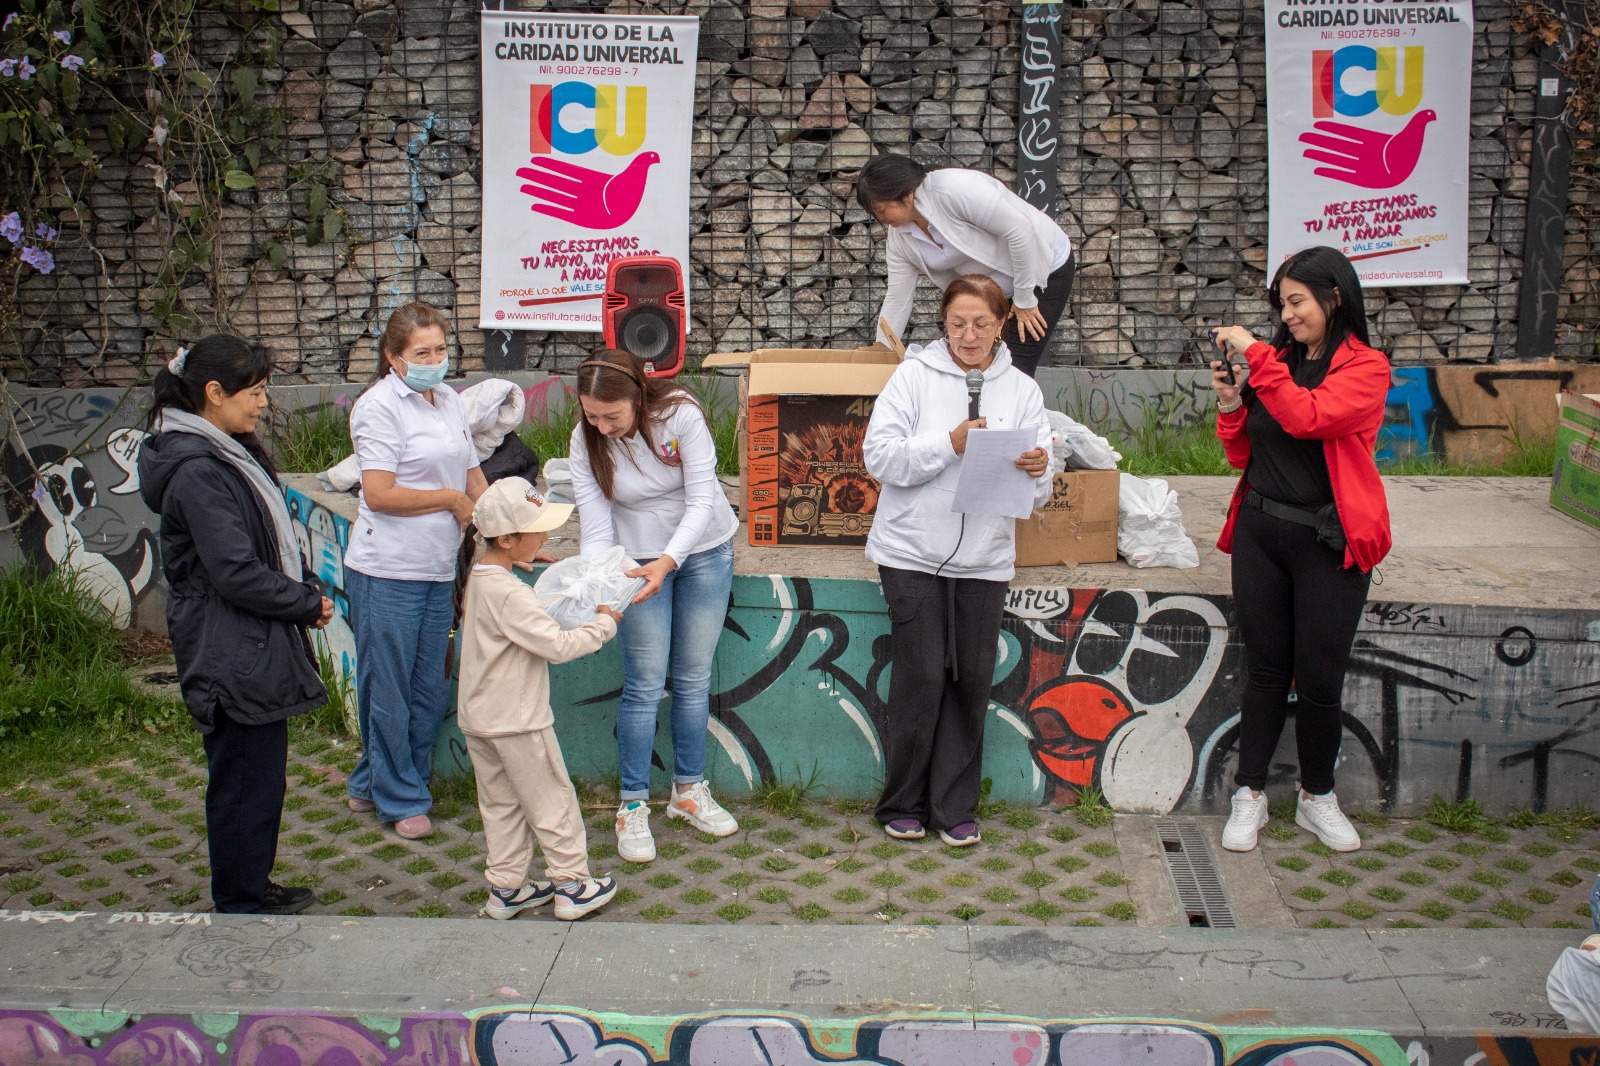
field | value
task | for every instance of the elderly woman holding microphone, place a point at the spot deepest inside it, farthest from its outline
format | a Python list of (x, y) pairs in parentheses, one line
[(939, 568)]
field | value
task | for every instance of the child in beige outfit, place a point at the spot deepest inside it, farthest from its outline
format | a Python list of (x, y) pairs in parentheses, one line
[(503, 708)]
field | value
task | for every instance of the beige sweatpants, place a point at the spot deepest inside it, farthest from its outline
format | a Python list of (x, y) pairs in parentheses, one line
[(524, 792)]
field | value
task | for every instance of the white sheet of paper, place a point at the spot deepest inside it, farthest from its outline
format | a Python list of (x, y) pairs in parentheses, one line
[(990, 481)]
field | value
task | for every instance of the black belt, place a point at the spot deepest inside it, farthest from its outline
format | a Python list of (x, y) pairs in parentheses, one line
[(1286, 511)]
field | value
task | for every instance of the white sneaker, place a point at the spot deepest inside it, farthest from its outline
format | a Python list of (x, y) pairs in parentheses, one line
[(575, 900), (703, 812), (634, 842), (1321, 815), (508, 903), (1249, 815)]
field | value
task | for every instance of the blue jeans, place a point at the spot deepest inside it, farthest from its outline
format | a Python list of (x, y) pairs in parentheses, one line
[(1594, 905), (402, 631), (675, 631)]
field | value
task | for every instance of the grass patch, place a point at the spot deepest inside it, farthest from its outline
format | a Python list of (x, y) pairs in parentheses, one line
[(1295, 863), (1357, 910), (773, 894), (924, 895), (1463, 817), (960, 880), (1533, 455), (1036, 879), (1079, 893), (851, 894), (812, 912), (705, 865), (1415, 877), (1122, 912), (1071, 863), (812, 879), (966, 912), (551, 436), (1101, 849), (699, 897), (66, 692), (734, 912), (1439, 912), (781, 796), (1464, 893), (1091, 810), (311, 438), (1388, 894), (1158, 448), (1063, 834), (1565, 878), (1311, 894), (1043, 910)]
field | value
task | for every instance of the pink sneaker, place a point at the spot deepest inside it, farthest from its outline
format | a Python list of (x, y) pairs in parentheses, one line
[(359, 805), (414, 828)]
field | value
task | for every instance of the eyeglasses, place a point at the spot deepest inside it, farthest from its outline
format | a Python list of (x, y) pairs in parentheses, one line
[(961, 329)]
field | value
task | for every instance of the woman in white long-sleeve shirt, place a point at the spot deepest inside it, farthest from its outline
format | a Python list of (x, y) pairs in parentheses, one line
[(937, 567), (946, 223), (644, 473)]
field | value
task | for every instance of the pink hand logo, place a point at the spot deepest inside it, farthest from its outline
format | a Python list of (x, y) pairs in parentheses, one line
[(1367, 158), (592, 199)]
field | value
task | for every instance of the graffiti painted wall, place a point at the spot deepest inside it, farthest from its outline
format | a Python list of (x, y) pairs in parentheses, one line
[(561, 1037), (1131, 692)]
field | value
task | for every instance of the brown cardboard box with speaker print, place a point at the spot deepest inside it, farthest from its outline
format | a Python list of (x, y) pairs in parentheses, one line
[(1078, 524), (803, 415)]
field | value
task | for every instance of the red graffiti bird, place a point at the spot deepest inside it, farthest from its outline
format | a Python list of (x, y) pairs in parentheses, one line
[(1072, 721), (592, 199), (1368, 158)]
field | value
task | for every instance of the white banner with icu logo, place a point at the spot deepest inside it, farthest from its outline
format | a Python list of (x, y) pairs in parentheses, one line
[(1369, 107), (586, 139)]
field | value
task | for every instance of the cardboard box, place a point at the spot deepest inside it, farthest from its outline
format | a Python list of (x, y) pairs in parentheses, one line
[(1575, 486), (803, 415), (1077, 525)]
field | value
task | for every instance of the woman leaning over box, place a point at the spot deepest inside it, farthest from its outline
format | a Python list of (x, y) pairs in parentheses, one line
[(239, 601), (419, 478), (944, 575), (644, 473), (1307, 524)]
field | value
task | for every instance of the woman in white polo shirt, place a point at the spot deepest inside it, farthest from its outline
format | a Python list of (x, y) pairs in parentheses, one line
[(951, 222), (419, 478), (644, 472)]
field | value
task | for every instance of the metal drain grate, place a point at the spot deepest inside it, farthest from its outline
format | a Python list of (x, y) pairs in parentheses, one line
[(1195, 876)]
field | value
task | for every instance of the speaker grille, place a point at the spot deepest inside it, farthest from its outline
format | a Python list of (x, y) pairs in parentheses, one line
[(646, 282), (648, 334)]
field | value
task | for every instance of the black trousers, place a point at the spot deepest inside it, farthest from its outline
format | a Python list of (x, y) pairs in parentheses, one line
[(244, 804), (1298, 610), (943, 636), (1052, 301)]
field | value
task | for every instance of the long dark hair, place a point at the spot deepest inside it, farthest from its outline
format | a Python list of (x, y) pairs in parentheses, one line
[(1337, 290), (611, 375), (234, 364), (888, 178), (464, 557)]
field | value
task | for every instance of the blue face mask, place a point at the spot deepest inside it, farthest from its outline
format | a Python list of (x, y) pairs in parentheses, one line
[(424, 376)]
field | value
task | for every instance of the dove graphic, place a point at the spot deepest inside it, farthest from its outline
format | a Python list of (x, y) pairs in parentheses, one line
[(592, 199), (1368, 158)]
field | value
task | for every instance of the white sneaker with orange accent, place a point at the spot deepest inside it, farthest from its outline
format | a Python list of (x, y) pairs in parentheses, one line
[(634, 842), (696, 803)]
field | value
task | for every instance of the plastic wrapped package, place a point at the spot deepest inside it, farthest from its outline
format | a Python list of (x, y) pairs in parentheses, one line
[(1074, 446), (572, 588), (1150, 525)]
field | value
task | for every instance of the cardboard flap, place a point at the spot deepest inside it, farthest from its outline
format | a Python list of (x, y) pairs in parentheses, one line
[(876, 353)]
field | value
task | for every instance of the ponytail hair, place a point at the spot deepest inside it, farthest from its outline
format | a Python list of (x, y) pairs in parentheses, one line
[(609, 376), (464, 557), (232, 363)]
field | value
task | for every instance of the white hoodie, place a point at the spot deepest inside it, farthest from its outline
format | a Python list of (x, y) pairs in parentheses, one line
[(908, 449)]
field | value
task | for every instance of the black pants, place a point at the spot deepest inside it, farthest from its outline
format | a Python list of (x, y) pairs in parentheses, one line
[(244, 804), (1052, 301), (943, 634), (1298, 610)]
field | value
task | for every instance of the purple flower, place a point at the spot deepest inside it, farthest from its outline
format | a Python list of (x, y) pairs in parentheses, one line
[(44, 232), (25, 68), (8, 68), (64, 36), (157, 60), (11, 228), (71, 62), (38, 258)]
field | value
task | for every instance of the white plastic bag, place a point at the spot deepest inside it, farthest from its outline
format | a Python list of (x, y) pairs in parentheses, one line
[(1150, 525), (571, 589), (558, 481), (343, 476), (494, 408), (1075, 446)]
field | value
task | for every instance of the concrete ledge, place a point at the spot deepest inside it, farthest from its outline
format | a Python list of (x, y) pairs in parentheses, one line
[(138, 990)]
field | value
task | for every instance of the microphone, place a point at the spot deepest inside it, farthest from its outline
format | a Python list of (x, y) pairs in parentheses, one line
[(974, 390)]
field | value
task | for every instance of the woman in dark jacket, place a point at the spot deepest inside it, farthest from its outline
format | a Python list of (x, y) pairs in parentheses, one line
[(240, 598)]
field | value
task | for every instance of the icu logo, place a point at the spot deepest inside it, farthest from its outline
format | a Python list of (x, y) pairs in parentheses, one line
[(1396, 96), (556, 124)]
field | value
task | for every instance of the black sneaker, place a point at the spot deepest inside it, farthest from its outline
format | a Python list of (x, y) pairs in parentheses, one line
[(282, 899)]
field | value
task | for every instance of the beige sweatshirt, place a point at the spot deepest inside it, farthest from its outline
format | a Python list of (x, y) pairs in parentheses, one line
[(507, 643)]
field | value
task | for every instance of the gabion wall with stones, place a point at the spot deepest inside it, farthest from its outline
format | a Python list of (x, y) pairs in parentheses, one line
[(1162, 187)]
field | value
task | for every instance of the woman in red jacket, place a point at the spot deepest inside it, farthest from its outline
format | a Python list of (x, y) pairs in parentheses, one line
[(1307, 524)]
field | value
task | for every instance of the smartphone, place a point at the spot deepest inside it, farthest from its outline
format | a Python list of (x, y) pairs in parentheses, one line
[(1222, 354)]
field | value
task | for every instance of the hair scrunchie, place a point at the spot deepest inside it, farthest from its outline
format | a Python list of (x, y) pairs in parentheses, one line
[(176, 364)]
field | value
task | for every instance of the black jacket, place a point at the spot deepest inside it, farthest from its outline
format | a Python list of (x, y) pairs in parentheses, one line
[(236, 622)]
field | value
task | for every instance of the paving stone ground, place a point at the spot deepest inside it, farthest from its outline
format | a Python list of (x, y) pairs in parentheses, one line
[(130, 835)]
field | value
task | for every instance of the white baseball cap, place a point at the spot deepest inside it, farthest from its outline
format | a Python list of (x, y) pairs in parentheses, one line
[(511, 505)]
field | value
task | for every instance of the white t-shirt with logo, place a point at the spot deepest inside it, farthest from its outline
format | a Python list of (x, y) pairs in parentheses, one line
[(426, 446)]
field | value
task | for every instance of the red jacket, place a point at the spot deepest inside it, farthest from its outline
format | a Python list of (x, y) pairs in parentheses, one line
[(1344, 412)]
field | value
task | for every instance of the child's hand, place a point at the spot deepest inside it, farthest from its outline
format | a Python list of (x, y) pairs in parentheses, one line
[(605, 609)]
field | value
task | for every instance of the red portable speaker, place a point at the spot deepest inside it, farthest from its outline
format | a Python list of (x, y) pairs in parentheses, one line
[(644, 313)]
